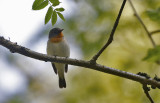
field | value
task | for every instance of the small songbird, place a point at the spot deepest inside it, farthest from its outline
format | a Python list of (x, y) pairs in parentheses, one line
[(57, 46)]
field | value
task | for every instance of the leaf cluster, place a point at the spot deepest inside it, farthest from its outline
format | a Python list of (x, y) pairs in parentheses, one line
[(154, 14), (52, 11), (153, 54)]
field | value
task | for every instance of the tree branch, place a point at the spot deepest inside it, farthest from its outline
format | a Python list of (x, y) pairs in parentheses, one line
[(95, 57), (140, 20), (146, 91), (154, 32), (14, 48)]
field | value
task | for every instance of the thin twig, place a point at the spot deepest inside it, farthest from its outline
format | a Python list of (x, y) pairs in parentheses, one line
[(95, 57), (154, 32), (142, 23), (14, 48), (50, 4), (146, 91)]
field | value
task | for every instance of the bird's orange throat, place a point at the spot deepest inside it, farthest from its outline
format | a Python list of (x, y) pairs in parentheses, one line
[(57, 38)]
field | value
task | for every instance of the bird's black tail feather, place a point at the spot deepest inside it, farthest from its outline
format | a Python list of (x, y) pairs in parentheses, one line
[(62, 83)]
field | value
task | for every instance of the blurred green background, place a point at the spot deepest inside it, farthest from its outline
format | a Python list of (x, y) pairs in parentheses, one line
[(87, 29)]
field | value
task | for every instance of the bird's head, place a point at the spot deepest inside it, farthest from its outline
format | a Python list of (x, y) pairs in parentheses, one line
[(56, 35)]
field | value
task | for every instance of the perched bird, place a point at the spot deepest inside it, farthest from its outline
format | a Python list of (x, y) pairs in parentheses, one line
[(57, 46)]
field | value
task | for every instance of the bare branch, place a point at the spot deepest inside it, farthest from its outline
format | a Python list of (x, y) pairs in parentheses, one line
[(140, 20), (154, 32), (14, 48), (93, 60), (146, 91)]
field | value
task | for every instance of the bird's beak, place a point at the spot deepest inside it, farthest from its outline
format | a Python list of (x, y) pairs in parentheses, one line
[(62, 29)]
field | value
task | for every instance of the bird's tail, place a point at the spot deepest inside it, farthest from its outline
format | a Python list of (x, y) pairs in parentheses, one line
[(60, 68), (62, 83)]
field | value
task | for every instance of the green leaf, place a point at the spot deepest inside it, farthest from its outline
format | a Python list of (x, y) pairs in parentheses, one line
[(48, 15), (54, 17), (56, 2), (153, 55), (60, 9), (154, 14), (61, 16), (36, 3), (40, 6)]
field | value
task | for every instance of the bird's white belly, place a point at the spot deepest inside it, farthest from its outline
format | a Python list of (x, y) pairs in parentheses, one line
[(58, 49)]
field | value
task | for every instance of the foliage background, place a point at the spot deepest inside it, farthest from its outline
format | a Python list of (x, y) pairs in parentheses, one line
[(87, 28)]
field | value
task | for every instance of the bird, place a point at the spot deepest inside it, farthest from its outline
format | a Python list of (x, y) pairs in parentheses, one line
[(58, 46)]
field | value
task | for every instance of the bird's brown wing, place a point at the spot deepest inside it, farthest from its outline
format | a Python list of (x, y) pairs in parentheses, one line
[(54, 68), (66, 68)]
